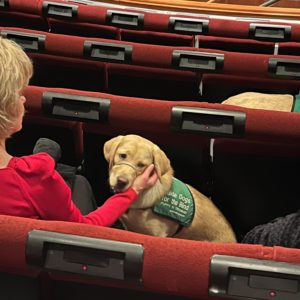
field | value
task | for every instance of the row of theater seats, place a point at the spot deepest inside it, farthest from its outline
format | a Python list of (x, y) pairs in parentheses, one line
[(158, 72), (102, 21), (246, 160), (202, 60), (228, 43), (186, 268)]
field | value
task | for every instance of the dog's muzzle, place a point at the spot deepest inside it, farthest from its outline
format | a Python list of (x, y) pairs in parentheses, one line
[(122, 181)]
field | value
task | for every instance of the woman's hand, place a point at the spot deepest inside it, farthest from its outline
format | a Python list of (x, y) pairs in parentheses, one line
[(146, 180)]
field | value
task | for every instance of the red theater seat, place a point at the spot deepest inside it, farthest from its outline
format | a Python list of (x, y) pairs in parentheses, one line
[(76, 13), (93, 49), (156, 38), (290, 48), (73, 11), (97, 21), (256, 180), (32, 248), (84, 29), (219, 87), (66, 18), (68, 133), (45, 42), (235, 44), (155, 83), (63, 72), (26, 14), (274, 31)]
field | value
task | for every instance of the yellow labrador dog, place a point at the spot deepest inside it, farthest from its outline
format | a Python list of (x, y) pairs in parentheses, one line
[(159, 211), (277, 102)]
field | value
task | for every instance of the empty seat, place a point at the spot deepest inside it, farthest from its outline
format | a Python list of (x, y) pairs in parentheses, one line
[(219, 87)]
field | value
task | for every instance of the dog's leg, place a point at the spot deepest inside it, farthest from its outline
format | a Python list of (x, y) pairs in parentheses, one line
[(124, 220), (146, 222)]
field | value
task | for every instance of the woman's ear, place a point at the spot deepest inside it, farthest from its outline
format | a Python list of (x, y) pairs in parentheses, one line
[(110, 148), (161, 162)]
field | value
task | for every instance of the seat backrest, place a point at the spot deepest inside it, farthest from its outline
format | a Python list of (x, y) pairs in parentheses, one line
[(153, 83), (32, 248), (25, 14), (64, 72), (166, 21), (68, 133), (288, 48), (231, 85), (235, 44), (255, 182), (156, 38)]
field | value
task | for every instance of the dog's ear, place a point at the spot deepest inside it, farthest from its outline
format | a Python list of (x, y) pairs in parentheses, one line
[(161, 162), (110, 148)]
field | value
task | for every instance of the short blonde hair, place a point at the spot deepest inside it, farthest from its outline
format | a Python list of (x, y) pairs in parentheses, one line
[(15, 71)]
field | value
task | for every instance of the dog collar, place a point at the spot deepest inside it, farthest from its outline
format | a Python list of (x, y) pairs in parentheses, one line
[(178, 204), (127, 164), (296, 104)]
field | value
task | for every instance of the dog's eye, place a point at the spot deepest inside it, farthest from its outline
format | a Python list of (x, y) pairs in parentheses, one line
[(122, 155), (140, 165)]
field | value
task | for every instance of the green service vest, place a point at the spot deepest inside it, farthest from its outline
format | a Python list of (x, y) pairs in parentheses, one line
[(178, 204)]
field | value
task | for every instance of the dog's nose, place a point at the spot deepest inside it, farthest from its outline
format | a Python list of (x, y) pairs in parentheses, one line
[(121, 183)]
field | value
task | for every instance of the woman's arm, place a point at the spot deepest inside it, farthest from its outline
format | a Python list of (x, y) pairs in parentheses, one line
[(51, 198)]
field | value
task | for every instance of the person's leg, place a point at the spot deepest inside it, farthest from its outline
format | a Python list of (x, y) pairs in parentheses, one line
[(82, 195), (67, 172)]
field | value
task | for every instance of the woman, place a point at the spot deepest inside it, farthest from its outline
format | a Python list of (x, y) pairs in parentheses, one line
[(29, 185)]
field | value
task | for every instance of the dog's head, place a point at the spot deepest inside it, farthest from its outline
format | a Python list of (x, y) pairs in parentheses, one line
[(128, 156)]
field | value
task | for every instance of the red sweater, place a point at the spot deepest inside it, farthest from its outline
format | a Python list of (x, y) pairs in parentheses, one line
[(31, 187)]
